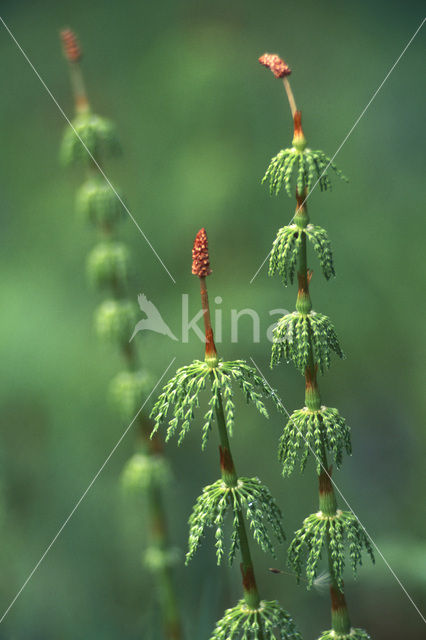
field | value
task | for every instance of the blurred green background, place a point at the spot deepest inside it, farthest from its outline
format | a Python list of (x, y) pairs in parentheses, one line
[(199, 120)]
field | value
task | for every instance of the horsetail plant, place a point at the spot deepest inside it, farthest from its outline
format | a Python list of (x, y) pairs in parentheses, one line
[(249, 503), (308, 339), (90, 140)]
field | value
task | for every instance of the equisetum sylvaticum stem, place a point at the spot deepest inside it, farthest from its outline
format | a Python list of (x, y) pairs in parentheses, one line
[(201, 268), (307, 338), (147, 472), (250, 504)]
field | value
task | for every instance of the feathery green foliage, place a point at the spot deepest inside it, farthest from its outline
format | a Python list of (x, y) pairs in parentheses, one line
[(298, 334), (308, 338), (246, 499), (319, 529), (180, 395), (89, 133), (115, 319), (108, 265), (88, 141), (142, 471), (158, 560), (322, 245), (295, 168), (267, 622), (285, 251), (98, 204), (249, 495), (308, 432), (353, 634), (128, 388)]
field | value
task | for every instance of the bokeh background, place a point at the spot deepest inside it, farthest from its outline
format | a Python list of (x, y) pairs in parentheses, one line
[(199, 120)]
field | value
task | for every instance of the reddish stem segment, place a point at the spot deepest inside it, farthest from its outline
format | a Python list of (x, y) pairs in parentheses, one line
[(299, 140), (210, 353), (327, 499)]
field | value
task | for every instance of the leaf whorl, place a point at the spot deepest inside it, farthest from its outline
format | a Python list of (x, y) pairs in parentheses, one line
[(89, 133), (338, 531), (308, 432), (297, 335), (269, 622), (292, 167), (354, 634), (285, 251), (250, 497), (180, 396)]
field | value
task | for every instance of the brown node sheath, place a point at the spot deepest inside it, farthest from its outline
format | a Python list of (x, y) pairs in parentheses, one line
[(297, 119), (303, 280), (156, 445), (338, 601), (324, 480), (174, 631), (273, 62), (311, 378), (300, 198), (226, 462), (249, 581), (71, 46)]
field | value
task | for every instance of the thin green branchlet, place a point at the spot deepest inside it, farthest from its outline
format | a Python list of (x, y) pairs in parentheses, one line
[(308, 339), (184, 388), (147, 473), (246, 500)]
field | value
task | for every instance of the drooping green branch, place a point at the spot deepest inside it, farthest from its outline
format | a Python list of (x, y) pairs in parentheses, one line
[(308, 339), (249, 503), (108, 268)]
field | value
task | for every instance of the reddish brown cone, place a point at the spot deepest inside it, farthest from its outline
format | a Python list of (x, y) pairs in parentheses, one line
[(275, 64), (200, 255), (71, 45)]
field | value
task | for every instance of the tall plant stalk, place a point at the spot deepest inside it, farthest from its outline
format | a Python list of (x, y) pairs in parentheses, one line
[(308, 338), (108, 269), (250, 503)]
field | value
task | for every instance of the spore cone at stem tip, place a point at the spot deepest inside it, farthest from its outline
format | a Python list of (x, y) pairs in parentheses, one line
[(72, 49), (273, 62), (200, 255)]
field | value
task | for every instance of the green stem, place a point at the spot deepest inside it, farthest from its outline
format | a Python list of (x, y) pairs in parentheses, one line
[(301, 219), (159, 536), (327, 500), (340, 621), (157, 522), (79, 90), (230, 478)]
